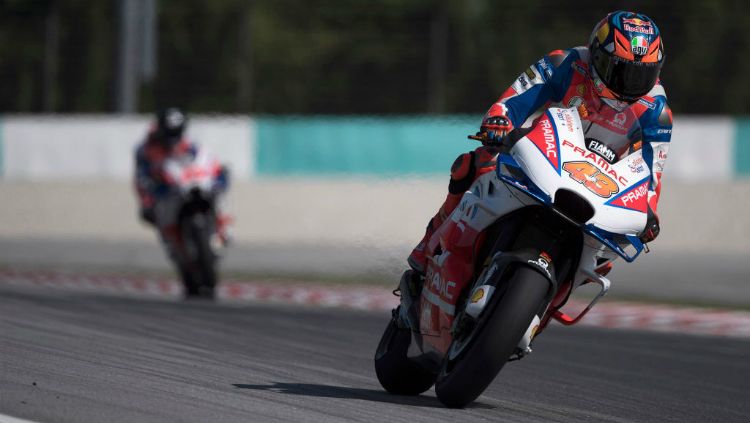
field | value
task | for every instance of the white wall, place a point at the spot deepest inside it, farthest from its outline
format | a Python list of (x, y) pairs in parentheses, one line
[(47, 148), (702, 148)]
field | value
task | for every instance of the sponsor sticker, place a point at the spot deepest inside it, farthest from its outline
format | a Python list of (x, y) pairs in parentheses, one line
[(565, 119), (636, 22), (575, 101), (582, 110), (606, 168), (440, 286), (647, 103), (592, 178), (478, 295), (601, 149), (620, 119), (542, 263), (545, 140), (634, 198), (636, 165), (639, 29), (545, 67), (639, 45)]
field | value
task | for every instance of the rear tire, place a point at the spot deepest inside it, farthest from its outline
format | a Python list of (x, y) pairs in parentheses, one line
[(396, 372), (465, 376)]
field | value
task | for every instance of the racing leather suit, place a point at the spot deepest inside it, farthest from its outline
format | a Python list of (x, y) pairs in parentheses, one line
[(562, 79), (149, 160)]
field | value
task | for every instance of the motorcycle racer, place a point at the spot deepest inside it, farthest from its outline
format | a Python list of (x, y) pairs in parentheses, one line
[(614, 84), (166, 139)]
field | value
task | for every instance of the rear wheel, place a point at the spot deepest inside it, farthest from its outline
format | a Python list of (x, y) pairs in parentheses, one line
[(396, 372), (478, 354)]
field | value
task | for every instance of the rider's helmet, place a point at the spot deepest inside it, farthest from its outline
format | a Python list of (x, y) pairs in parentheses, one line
[(627, 54), (170, 125)]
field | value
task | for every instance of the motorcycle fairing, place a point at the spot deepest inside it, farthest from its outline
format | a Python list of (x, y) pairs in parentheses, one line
[(617, 218)]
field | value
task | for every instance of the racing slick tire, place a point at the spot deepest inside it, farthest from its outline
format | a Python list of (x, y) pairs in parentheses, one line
[(474, 359), (396, 372)]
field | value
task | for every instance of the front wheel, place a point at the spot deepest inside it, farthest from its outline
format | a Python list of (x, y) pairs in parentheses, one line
[(396, 372), (200, 280), (475, 358)]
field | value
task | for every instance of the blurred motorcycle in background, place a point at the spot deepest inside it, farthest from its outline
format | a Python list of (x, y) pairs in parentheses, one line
[(188, 218)]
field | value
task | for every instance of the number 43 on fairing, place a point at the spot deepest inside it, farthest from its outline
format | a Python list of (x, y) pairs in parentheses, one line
[(594, 180)]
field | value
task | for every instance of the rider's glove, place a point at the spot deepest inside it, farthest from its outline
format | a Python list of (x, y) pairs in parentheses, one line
[(496, 123), (652, 227)]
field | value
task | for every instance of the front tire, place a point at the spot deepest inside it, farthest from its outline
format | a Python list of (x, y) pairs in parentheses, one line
[(465, 374), (396, 372), (204, 261)]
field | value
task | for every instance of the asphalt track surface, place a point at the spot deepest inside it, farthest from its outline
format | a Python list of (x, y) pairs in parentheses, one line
[(84, 357)]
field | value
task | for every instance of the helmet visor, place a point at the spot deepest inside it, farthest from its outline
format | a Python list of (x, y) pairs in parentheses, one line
[(628, 79)]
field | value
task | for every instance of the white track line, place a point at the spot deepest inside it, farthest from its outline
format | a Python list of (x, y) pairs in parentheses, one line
[(9, 419)]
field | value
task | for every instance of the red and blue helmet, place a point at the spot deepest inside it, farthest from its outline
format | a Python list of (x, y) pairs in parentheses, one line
[(627, 54)]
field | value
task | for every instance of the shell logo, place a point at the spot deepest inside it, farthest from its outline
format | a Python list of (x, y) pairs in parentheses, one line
[(533, 330), (478, 295)]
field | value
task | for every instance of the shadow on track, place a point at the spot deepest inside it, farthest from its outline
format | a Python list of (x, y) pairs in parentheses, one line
[(328, 391)]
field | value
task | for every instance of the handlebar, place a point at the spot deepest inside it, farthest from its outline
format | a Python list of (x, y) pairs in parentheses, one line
[(508, 141), (482, 137)]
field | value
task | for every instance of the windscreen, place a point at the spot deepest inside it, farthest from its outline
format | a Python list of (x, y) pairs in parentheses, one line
[(610, 133)]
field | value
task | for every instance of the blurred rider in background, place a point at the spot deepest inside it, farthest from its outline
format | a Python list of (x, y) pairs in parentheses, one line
[(166, 138), (614, 84)]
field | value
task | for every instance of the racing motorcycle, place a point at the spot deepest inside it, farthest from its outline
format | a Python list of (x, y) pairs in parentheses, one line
[(559, 206), (189, 211)]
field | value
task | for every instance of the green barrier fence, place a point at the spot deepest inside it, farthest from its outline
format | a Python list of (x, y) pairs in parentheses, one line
[(742, 148), (361, 145)]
